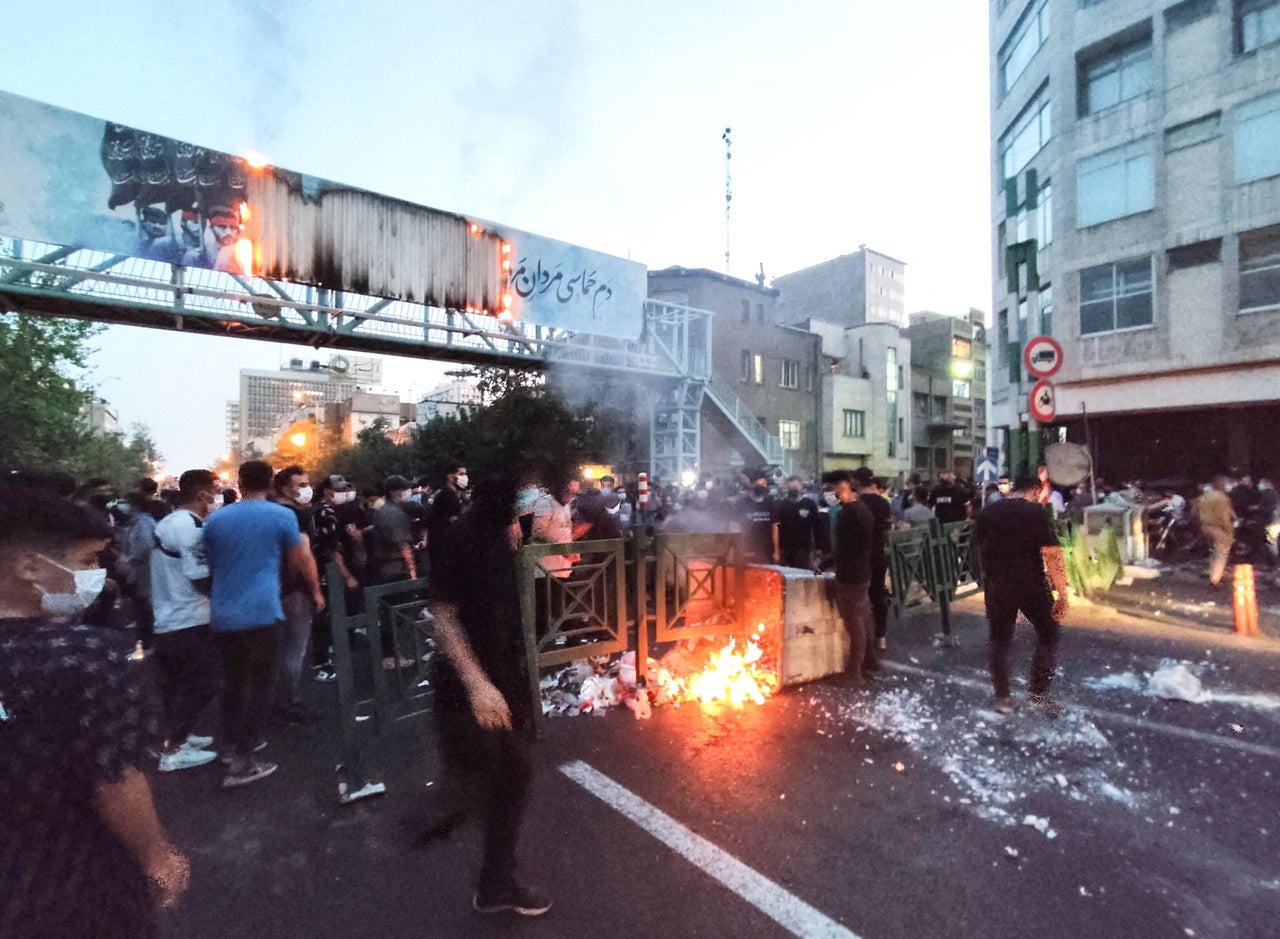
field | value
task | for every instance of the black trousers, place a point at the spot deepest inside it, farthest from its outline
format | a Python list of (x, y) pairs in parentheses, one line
[(487, 773), (880, 595), (249, 659), (854, 603), (1003, 601), (189, 678)]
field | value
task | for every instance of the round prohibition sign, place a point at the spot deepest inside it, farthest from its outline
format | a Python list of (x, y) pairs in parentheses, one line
[(1042, 357), (1043, 402)]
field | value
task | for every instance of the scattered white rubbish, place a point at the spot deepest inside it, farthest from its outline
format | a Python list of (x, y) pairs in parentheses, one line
[(1175, 682), (1060, 780), (1039, 824), (1011, 852), (1237, 728)]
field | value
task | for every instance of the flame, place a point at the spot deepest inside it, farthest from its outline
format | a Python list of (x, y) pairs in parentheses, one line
[(731, 676), (256, 160), (244, 255)]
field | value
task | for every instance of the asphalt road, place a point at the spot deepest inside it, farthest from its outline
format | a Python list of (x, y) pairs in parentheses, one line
[(908, 810)]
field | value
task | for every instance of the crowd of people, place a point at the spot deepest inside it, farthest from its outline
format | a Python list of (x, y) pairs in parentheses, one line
[(217, 595)]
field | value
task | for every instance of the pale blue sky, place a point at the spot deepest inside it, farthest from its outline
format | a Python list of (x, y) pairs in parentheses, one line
[(594, 122)]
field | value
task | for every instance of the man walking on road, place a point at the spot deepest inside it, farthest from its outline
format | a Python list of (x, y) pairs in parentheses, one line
[(882, 514), (1218, 522), (1017, 543), (185, 650), (293, 491), (247, 545), (483, 710), (853, 533)]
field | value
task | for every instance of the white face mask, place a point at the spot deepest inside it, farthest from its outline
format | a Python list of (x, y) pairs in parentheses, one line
[(830, 498), (89, 584), (217, 501), (305, 494), (342, 498), (463, 479)]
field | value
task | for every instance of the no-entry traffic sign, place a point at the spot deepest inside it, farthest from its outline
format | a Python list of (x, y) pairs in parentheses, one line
[(1042, 357), (1043, 406)]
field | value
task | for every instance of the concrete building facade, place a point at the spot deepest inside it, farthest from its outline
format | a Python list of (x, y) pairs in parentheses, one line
[(851, 290), (771, 369), (1136, 219), (948, 392), (269, 397)]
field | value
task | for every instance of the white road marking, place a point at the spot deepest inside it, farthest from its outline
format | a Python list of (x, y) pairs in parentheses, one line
[(1199, 736), (785, 909)]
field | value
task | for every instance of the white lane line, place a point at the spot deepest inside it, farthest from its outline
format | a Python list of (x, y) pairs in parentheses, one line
[(1199, 736), (785, 909)]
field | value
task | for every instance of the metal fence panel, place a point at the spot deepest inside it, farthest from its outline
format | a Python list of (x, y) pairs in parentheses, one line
[(699, 585)]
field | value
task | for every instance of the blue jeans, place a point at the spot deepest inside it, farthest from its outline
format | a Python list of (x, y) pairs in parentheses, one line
[(299, 611)]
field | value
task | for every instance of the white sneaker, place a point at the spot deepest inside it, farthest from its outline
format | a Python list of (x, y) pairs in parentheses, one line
[(197, 743), (881, 644), (185, 758)]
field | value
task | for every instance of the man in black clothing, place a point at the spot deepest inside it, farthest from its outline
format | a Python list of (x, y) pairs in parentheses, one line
[(446, 508), (802, 529), (869, 495), (483, 708), (948, 502), (853, 534), (1016, 540), (758, 520), (82, 852)]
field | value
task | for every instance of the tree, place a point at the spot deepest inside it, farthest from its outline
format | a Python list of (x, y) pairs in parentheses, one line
[(40, 402)]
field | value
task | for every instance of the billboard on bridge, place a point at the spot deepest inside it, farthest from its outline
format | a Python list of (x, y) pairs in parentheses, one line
[(73, 180)]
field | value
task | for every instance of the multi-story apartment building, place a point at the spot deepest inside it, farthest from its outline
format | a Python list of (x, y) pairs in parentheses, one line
[(1136, 219), (948, 392), (851, 290), (771, 371), (269, 397)]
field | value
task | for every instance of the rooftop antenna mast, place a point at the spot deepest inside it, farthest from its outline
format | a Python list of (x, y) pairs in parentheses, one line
[(728, 192)]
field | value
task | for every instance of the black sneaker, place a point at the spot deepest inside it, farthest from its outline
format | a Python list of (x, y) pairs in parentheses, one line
[(523, 900)]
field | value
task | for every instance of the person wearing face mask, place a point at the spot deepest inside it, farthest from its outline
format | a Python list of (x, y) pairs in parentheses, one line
[(184, 645), (82, 850), (758, 520), (446, 508), (293, 491), (248, 545), (801, 529), (391, 556), (328, 546)]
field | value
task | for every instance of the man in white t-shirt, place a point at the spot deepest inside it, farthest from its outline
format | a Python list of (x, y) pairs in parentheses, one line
[(185, 650)]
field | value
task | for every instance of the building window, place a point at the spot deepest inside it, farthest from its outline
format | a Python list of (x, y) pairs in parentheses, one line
[(757, 368), (1044, 217), (902, 429), (1183, 14), (940, 458), (939, 408), (1029, 132), (746, 311), (979, 410), (891, 368), (1116, 76), (789, 434), (1002, 329), (961, 348), (1257, 23), (960, 388), (1257, 130), (855, 423), (759, 312), (1046, 309), (980, 372), (808, 378), (920, 406), (1116, 296), (1195, 254), (1030, 33), (1260, 269), (790, 373), (1192, 132), (921, 459), (1114, 183), (746, 365)]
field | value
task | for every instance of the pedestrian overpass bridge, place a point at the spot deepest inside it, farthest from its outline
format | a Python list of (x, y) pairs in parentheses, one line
[(131, 228)]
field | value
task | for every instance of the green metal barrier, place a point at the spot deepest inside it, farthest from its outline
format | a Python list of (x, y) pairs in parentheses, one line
[(368, 694), (575, 616), (927, 567)]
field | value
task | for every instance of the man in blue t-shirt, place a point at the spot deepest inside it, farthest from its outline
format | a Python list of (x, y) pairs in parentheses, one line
[(247, 544)]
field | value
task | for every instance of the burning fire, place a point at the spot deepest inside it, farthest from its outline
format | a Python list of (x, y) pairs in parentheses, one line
[(730, 676)]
